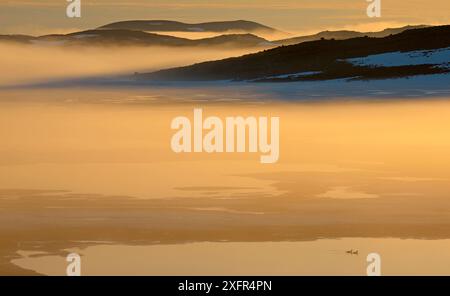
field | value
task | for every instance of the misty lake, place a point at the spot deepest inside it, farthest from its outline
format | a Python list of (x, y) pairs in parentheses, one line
[(81, 167), (165, 138)]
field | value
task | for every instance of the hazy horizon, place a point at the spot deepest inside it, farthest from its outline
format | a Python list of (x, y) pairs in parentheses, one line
[(295, 17)]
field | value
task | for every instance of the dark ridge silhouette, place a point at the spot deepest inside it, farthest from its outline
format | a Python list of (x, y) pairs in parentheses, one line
[(324, 56), (345, 34), (173, 26)]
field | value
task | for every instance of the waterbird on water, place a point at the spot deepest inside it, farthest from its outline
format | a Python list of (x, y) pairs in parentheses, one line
[(352, 252)]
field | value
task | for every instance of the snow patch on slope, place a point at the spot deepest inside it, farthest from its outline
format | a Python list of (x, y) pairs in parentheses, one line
[(439, 57)]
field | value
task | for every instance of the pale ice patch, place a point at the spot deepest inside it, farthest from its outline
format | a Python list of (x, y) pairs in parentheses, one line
[(48, 43), (83, 36), (412, 179), (194, 29), (342, 192), (225, 210), (266, 43), (293, 75)]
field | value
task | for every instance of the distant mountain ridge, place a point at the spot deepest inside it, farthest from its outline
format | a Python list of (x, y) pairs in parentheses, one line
[(127, 37), (174, 26), (138, 38), (319, 60), (345, 34)]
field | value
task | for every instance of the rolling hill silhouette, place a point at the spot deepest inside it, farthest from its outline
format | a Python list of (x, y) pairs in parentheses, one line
[(345, 34), (125, 34), (138, 38), (173, 26), (319, 60)]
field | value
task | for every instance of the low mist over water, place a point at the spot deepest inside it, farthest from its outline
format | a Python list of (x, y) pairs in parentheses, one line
[(40, 63)]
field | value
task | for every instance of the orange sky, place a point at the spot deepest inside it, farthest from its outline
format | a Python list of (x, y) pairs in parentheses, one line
[(296, 16)]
